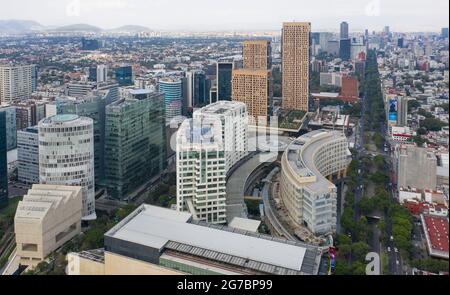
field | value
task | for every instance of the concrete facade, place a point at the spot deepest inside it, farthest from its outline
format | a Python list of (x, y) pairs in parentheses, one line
[(416, 168), (46, 218)]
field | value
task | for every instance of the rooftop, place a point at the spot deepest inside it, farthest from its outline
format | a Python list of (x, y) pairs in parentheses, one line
[(162, 228), (436, 232)]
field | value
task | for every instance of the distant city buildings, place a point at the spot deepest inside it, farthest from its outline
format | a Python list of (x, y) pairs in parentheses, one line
[(66, 156), (295, 65), (308, 168), (46, 218), (344, 31)]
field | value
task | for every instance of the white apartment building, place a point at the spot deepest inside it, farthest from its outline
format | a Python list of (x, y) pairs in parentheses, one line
[(234, 120), (28, 155), (308, 167), (201, 170), (16, 82), (66, 156)]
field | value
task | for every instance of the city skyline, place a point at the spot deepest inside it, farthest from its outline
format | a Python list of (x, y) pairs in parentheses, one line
[(401, 16)]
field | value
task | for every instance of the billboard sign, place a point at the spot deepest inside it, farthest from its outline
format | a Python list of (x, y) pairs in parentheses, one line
[(393, 111)]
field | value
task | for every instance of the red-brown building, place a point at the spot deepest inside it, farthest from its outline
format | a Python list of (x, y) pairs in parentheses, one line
[(350, 89)]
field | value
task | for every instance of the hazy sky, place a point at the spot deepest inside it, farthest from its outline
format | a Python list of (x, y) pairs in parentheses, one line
[(207, 15)]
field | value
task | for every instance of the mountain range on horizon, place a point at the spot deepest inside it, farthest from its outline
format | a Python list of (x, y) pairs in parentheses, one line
[(28, 26)]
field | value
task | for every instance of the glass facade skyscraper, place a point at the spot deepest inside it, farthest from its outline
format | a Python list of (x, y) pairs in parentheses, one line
[(224, 77), (135, 148), (124, 76), (173, 93)]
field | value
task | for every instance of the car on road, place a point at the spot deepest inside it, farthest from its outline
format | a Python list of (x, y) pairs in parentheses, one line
[(389, 249), (392, 238), (398, 262), (396, 250)]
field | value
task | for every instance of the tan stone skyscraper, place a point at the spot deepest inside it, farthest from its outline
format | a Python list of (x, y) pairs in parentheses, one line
[(252, 85), (253, 88), (295, 65), (257, 55)]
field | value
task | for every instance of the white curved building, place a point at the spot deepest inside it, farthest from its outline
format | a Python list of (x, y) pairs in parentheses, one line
[(308, 167), (66, 156)]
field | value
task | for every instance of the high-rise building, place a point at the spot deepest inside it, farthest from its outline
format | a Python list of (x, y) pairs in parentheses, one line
[(16, 82), (253, 88), (3, 161), (201, 170), (11, 126), (197, 95), (135, 142), (257, 55), (92, 74), (344, 31), (234, 119), (124, 75), (307, 168), (173, 95), (401, 42), (91, 106), (66, 156), (402, 110), (324, 38), (46, 218), (102, 73), (333, 47), (295, 65), (28, 155), (224, 77), (345, 49)]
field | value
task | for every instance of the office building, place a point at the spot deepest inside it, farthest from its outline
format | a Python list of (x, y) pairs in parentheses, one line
[(79, 89), (308, 168), (295, 65), (90, 106), (233, 117), (416, 168), (66, 156), (124, 76), (402, 110), (201, 170), (102, 74), (331, 79), (154, 240), (344, 31), (197, 90), (324, 38), (333, 47), (253, 88), (345, 48), (401, 42), (224, 78), (3, 161), (135, 142), (28, 155), (46, 218), (10, 127), (16, 82), (173, 93), (257, 55)]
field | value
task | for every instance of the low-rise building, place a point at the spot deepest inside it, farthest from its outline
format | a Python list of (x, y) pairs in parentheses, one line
[(46, 218), (155, 240)]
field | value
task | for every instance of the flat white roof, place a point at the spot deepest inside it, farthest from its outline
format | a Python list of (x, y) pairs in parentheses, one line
[(245, 224), (154, 227)]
